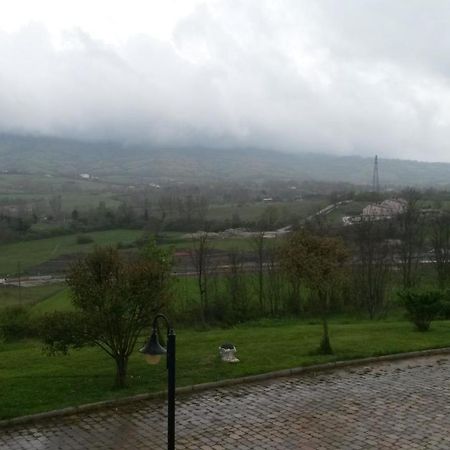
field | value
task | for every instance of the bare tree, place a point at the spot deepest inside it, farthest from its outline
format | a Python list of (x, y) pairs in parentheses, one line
[(269, 218), (440, 241), (411, 233), (200, 255), (236, 282), (293, 266), (373, 267), (275, 280), (258, 244), (55, 203), (201, 206)]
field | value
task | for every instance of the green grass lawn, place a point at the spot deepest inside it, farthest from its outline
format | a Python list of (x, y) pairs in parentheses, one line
[(30, 253), (10, 296), (32, 381), (59, 301)]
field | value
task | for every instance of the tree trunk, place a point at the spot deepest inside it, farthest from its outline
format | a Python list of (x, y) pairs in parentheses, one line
[(121, 371), (261, 288), (295, 306), (259, 242), (325, 346)]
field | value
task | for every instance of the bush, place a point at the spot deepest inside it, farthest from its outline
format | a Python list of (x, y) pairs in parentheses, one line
[(445, 310), (15, 323), (84, 239), (422, 307), (60, 330)]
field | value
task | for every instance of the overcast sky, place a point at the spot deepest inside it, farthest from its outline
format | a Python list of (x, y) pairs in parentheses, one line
[(343, 77)]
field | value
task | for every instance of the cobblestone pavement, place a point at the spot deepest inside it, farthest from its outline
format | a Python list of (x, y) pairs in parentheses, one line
[(396, 405)]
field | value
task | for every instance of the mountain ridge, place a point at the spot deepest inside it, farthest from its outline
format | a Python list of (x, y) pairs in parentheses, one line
[(45, 154)]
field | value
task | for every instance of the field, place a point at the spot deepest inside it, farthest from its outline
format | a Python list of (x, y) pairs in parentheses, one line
[(58, 301), (75, 192), (253, 211), (10, 296), (30, 253), (32, 381), (21, 256)]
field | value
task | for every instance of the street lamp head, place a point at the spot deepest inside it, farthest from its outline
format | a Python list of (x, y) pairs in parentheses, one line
[(153, 350)]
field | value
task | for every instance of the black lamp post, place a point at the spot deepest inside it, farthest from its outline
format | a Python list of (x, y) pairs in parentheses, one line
[(152, 352)]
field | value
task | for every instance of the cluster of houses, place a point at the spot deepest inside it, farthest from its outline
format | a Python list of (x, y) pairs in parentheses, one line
[(387, 209)]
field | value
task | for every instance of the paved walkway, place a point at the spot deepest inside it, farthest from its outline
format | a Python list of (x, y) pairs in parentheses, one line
[(397, 405)]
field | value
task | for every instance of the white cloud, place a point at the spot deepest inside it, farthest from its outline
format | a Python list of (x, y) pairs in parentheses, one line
[(338, 77)]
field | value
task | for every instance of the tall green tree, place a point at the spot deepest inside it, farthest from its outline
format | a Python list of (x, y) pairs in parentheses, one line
[(320, 261), (114, 299)]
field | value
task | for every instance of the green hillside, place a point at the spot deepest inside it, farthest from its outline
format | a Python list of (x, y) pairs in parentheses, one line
[(121, 163)]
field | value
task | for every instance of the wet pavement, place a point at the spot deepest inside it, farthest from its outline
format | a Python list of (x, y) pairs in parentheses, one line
[(396, 405)]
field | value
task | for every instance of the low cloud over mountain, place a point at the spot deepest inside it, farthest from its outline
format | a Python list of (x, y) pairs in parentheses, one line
[(346, 77)]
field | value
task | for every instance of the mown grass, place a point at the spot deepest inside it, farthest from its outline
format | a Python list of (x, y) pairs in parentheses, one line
[(30, 253), (32, 381), (10, 296), (59, 301)]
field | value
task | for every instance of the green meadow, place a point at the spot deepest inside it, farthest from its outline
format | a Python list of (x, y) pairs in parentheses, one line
[(31, 381), (30, 253)]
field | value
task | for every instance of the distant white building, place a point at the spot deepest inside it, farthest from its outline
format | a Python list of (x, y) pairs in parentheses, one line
[(384, 210), (396, 206), (85, 176)]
